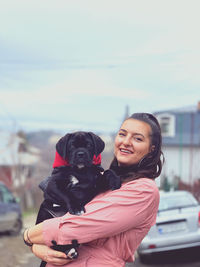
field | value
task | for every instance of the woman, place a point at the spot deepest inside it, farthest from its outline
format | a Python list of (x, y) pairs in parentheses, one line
[(116, 221)]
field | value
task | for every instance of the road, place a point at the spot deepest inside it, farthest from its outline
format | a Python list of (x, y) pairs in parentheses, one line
[(13, 253), (183, 258)]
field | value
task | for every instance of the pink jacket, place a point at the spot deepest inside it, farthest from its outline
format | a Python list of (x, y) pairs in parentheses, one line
[(112, 228)]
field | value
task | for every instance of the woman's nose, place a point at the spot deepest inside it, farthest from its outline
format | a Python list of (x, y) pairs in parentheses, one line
[(126, 141)]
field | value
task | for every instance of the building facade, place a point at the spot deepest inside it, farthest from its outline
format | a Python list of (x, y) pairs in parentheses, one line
[(181, 143)]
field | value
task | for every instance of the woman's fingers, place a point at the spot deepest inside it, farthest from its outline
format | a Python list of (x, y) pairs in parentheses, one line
[(50, 255), (56, 257), (56, 254), (58, 261)]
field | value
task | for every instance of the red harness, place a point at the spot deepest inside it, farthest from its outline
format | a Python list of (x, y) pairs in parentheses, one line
[(59, 161)]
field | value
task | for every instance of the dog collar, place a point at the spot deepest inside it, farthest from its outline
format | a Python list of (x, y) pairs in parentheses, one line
[(59, 161)]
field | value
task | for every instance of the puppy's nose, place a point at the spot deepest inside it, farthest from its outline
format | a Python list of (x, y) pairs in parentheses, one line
[(80, 154)]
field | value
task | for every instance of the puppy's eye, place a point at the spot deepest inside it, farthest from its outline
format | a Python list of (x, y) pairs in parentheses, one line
[(72, 144), (89, 145)]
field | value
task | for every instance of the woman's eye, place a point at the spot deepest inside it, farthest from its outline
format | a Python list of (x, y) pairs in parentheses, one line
[(138, 139), (121, 134)]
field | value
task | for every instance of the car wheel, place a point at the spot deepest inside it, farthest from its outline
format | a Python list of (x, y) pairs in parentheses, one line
[(146, 259), (16, 230)]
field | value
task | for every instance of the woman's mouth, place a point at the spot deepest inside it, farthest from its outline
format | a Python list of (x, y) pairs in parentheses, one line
[(122, 150)]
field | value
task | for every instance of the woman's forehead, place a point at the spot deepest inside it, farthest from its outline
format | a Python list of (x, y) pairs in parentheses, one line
[(136, 127)]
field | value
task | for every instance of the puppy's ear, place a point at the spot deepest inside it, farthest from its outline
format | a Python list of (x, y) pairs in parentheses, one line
[(61, 146), (98, 143)]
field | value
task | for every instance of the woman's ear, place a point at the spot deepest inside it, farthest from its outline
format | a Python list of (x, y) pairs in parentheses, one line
[(152, 148)]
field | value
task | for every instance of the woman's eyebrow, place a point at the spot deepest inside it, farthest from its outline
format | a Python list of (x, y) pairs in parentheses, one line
[(125, 131), (139, 134)]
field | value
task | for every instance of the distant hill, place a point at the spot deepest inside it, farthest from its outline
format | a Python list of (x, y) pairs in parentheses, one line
[(40, 139)]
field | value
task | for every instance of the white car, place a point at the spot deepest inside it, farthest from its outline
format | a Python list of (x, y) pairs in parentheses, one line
[(177, 225)]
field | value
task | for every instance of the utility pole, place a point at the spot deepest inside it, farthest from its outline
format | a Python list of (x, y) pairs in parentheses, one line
[(127, 112), (180, 120)]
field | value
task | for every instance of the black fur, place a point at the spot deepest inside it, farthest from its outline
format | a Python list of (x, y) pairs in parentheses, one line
[(69, 188)]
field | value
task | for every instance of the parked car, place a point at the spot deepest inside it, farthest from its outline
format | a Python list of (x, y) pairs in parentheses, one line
[(177, 225), (10, 212)]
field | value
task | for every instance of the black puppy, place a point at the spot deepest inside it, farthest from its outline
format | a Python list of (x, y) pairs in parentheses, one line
[(77, 176)]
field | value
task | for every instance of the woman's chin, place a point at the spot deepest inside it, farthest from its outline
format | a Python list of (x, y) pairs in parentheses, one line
[(124, 163)]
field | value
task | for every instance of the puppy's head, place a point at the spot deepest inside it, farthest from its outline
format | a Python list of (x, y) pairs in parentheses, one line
[(79, 148)]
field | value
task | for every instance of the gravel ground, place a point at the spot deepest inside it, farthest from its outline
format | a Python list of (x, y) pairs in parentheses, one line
[(13, 252)]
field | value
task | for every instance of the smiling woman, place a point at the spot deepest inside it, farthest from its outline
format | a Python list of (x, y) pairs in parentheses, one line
[(115, 222)]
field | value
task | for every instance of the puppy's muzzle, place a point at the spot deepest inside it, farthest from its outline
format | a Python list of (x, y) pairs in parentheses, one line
[(82, 159)]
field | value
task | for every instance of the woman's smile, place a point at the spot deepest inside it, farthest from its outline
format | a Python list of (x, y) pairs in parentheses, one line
[(125, 151)]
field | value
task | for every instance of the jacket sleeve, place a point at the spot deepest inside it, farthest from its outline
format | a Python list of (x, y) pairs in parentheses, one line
[(134, 205)]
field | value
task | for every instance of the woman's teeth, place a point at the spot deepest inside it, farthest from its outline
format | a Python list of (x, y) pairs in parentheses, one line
[(125, 151)]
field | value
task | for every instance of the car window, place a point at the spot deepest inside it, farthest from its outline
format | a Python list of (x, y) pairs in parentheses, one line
[(177, 201), (5, 195)]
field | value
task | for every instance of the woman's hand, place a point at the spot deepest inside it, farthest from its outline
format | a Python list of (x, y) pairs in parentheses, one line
[(50, 255)]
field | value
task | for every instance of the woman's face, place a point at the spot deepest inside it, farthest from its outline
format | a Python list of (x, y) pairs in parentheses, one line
[(132, 142)]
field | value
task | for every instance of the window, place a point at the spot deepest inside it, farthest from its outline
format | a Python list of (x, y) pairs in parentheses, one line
[(167, 124), (170, 201)]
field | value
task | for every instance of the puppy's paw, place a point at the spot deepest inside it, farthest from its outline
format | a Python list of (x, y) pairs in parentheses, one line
[(115, 184), (80, 212), (113, 180), (72, 253), (76, 211), (70, 250)]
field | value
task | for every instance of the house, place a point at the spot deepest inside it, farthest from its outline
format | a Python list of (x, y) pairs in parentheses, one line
[(181, 143), (16, 159)]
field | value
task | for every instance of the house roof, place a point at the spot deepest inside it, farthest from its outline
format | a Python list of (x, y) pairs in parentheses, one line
[(185, 109)]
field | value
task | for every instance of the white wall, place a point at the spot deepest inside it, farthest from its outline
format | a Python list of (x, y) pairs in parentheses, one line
[(184, 163)]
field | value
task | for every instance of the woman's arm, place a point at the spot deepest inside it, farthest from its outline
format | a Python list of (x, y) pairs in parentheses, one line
[(135, 204), (33, 235)]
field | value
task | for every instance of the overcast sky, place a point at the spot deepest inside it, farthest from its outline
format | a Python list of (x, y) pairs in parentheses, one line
[(71, 65)]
